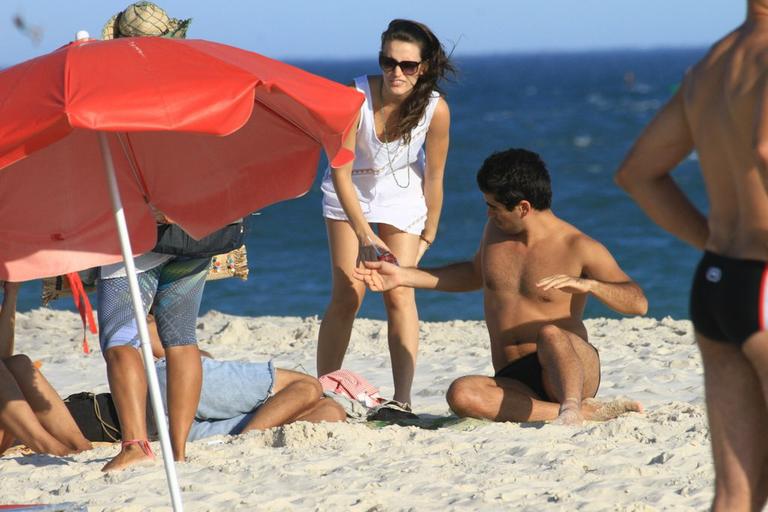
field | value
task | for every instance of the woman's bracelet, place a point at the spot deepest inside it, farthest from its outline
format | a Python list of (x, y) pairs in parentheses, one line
[(422, 237)]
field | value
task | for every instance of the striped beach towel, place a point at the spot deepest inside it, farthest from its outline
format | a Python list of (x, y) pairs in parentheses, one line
[(353, 386)]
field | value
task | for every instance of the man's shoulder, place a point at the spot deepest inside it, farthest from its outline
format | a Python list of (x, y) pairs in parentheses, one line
[(569, 233), (569, 240), (716, 50), (712, 57), (577, 241), (752, 46)]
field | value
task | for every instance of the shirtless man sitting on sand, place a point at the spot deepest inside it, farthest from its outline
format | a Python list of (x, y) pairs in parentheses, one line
[(536, 272)]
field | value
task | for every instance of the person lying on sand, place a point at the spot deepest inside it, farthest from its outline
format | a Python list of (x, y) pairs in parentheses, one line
[(536, 272), (31, 412), (239, 396), (236, 397)]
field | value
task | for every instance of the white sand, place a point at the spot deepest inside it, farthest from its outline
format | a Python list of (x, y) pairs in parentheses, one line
[(659, 460)]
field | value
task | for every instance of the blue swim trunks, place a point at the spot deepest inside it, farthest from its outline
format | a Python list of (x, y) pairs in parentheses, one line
[(232, 392)]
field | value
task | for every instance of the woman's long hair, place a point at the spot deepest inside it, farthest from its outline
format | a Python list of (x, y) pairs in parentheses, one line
[(438, 66)]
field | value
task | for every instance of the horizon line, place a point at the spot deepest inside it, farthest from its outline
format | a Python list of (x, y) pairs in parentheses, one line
[(485, 54)]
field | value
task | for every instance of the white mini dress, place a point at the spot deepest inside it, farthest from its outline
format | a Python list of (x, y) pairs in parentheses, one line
[(388, 177)]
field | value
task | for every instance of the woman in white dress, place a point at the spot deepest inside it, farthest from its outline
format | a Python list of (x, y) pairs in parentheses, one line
[(396, 184)]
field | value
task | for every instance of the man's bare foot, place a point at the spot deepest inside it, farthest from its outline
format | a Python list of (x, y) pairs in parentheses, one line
[(570, 413), (596, 410), (129, 456)]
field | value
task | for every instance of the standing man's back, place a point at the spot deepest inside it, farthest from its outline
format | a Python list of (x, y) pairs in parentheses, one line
[(723, 102), (721, 111)]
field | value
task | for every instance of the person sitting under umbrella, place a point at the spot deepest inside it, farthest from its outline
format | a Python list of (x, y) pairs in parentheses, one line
[(86, 121), (31, 412), (236, 397)]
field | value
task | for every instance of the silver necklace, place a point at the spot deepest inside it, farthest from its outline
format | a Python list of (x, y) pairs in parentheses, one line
[(407, 160), (389, 157)]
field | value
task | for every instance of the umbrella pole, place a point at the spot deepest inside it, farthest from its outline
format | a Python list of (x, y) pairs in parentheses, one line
[(141, 321)]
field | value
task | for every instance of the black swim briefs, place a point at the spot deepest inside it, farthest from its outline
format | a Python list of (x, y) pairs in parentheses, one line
[(527, 370), (729, 298)]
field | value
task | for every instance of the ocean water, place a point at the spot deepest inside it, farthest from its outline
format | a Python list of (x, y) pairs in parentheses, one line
[(580, 111)]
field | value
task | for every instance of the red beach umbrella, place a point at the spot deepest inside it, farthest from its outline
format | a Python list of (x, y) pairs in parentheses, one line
[(203, 131), (101, 130)]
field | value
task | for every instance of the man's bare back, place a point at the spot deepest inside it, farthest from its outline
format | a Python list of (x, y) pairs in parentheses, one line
[(721, 111), (722, 99)]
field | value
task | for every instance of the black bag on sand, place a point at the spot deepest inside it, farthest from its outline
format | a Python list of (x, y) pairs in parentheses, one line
[(96, 417), (171, 239)]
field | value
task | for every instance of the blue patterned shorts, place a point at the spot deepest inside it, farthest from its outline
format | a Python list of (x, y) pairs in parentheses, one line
[(175, 287)]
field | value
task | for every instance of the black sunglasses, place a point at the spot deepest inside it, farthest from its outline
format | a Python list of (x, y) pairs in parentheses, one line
[(408, 67)]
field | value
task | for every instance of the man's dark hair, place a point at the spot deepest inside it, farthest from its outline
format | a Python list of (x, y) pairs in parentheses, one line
[(516, 174)]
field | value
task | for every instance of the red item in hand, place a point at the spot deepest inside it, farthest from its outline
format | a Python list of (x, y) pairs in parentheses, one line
[(388, 257)]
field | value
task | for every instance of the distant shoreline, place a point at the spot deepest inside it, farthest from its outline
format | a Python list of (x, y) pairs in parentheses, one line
[(298, 61)]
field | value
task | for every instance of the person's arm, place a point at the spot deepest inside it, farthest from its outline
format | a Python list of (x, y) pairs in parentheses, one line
[(381, 276), (645, 174), (760, 136), (8, 319), (601, 277), (350, 203), (436, 147)]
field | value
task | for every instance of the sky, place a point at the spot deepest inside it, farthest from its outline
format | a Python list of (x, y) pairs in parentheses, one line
[(345, 29)]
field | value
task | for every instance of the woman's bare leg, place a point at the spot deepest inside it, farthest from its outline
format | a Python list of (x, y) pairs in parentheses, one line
[(402, 315), (45, 402), (18, 418), (346, 298)]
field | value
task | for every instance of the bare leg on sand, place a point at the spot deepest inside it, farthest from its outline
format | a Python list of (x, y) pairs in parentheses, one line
[(570, 371), (46, 404), (346, 297), (402, 315), (297, 397), (128, 384), (503, 399), (32, 412)]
